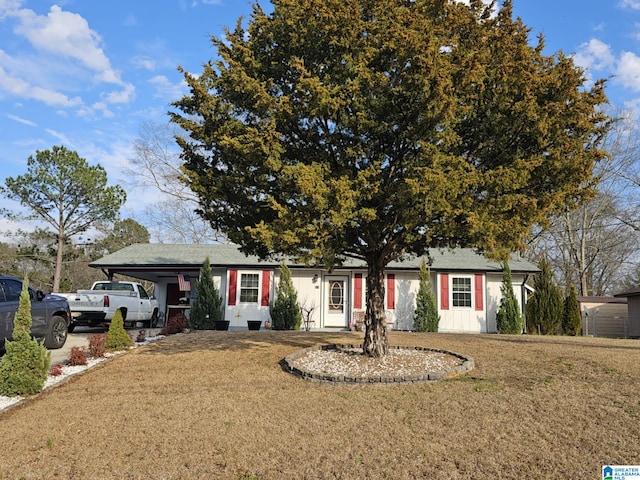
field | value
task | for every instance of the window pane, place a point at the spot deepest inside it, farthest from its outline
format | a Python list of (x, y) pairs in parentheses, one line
[(249, 288), (336, 296), (461, 291)]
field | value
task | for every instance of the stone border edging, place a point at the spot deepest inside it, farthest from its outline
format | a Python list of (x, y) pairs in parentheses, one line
[(288, 363)]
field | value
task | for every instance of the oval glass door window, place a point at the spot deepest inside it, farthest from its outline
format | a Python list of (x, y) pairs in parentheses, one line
[(336, 296)]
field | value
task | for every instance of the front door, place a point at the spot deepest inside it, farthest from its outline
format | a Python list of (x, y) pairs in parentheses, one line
[(336, 301)]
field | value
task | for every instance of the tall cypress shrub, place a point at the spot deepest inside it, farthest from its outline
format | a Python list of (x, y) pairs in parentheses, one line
[(284, 310), (508, 318), (207, 306), (545, 307), (426, 318), (25, 364), (571, 319)]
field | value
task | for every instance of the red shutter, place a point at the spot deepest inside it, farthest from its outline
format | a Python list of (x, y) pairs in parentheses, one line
[(357, 291), (233, 286), (391, 291), (478, 292), (266, 283), (444, 291)]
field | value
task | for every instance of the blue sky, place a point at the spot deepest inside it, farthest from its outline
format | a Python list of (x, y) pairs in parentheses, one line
[(86, 74)]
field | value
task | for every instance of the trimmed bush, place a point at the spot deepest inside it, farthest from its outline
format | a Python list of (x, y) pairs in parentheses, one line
[(117, 336), (25, 365), (77, 356), (508, 318), (97, 345), (426, 318), (571, 318), (55, 370), (284, 310), (177, 323), (207, 306)]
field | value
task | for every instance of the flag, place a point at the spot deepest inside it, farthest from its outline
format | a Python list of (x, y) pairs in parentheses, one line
[(184, 282)]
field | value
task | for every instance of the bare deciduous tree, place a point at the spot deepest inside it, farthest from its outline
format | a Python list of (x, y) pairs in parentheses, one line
[(157, 166)]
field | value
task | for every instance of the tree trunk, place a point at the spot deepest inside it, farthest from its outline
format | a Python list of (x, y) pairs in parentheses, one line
[(58, 270), (376, 343)]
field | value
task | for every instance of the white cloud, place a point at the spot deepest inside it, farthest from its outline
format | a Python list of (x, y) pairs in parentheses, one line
[(66, 34), (628, 71), (634, 4), (64, 140), (595, 55), (102, 107), (8, 7), (20, 88), (145, 63), (22, 120), (122, 96), (166, 89)]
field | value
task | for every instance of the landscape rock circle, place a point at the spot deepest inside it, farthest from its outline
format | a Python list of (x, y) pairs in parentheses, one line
[(345, 364)]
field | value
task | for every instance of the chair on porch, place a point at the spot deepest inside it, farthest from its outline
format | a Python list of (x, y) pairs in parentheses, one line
[(357, 319)]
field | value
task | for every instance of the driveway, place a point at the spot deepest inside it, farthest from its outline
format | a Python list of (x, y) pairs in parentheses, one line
[(80, 338)]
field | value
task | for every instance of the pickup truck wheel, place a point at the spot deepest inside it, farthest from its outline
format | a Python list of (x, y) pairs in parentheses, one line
[(153, 323), (57, 333)]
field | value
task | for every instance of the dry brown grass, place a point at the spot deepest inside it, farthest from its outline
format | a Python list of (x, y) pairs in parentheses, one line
[(218, 405)]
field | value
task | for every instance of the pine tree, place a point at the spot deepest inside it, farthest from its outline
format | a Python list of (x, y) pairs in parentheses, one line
[(545, 307), (25, 365), (426, 318), (508, 318), (117, 336), (284, 310), (207, 306), (571, 319)]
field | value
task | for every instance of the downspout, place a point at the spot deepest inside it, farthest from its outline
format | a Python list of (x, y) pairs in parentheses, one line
[(523, 294)]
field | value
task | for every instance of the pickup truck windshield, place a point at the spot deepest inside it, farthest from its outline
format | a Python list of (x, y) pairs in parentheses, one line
[(114, 286)]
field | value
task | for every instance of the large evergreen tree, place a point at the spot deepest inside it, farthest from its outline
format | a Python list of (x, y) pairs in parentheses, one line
[(545, 306), (374, 129), (508, 317)]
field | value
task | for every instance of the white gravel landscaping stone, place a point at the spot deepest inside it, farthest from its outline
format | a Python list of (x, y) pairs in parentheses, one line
[(70, 370)]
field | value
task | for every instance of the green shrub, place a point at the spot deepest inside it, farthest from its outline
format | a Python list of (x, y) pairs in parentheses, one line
[(508, 318), (571, 318), (207, 306), (426, 318), (25, 364), (284, 310), (545, 306), (117, 336)]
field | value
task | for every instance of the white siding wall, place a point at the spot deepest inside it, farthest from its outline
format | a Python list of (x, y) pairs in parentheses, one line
[(309, 293)]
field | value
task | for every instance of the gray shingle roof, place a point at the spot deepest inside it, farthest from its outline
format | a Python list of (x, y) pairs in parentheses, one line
[(228, 255)]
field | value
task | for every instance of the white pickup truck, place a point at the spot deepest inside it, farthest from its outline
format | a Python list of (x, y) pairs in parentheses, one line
[(97, 306)]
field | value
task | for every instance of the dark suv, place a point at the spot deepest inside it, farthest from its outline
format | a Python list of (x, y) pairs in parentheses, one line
[(50, 314)]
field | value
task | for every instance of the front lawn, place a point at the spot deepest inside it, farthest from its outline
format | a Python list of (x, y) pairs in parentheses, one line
[(219, 405)]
